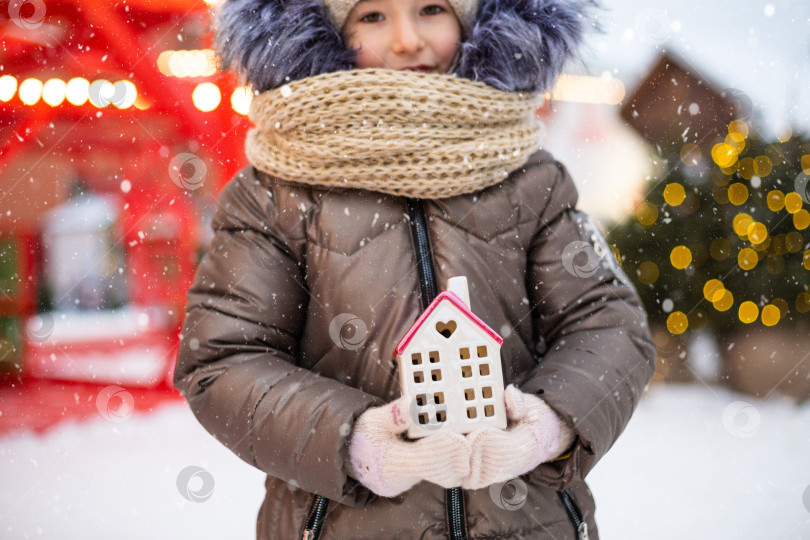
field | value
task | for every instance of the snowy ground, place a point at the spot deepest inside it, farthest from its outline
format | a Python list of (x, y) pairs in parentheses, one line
[(695, 462)]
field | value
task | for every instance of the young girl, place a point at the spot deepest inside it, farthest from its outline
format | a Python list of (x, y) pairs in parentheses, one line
[(395, 147)]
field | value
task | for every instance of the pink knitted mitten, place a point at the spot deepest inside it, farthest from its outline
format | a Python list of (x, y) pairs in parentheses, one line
[(535, 435), (387, 464)]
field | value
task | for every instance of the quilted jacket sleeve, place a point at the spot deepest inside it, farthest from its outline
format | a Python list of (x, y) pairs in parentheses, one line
[(597, 355), (238, 354)]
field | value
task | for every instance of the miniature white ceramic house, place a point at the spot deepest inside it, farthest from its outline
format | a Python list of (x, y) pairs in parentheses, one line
[(450, 364)]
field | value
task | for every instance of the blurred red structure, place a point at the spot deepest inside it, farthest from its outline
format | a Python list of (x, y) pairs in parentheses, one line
[(162, 158)]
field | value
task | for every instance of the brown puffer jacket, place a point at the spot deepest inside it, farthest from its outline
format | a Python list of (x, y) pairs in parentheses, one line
[(304, 292)]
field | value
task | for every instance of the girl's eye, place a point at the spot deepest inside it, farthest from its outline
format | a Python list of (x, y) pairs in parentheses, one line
[(433, 10), (371, 17)]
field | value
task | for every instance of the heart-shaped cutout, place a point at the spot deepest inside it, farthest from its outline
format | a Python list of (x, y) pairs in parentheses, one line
[(446, 329)]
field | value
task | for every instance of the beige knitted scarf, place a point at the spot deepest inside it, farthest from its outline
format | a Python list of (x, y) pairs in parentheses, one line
[(398, 132)]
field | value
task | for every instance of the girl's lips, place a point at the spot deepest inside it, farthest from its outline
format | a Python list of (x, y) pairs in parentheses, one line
[(423, 69)]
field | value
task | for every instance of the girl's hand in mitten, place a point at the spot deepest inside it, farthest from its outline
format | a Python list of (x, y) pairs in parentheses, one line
[(535, 435), (388, 465)]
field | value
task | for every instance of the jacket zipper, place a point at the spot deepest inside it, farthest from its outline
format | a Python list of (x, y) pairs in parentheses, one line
[(456, 522), (456, 519), (314, 521), (574, 513)]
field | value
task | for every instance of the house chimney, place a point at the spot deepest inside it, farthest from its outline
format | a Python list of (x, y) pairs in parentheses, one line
[(458, 286)]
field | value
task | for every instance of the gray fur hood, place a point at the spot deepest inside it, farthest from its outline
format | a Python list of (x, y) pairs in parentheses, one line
[(514, 45)]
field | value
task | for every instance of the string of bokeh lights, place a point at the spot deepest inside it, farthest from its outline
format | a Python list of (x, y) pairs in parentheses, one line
[(726, 155)]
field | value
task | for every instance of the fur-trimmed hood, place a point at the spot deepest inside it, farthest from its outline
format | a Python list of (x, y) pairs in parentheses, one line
[(514, 45)]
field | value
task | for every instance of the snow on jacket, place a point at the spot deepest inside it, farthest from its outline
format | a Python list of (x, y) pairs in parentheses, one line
[(267, 376)]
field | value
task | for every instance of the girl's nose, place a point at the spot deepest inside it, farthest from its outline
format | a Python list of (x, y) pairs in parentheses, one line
[(407, 37)]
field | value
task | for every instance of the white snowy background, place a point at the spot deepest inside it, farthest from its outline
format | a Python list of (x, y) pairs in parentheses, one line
[(695, 462)]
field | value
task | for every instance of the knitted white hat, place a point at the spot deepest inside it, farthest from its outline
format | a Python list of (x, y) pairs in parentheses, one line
[(339, 11)]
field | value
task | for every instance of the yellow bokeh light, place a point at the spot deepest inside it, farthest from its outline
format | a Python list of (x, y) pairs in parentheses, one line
[(763, 246), (793, 202), (776, 200), (677, 323), (757, 232), (801, 219), (713, 290), (783, 132), (241, 99), (741, 223), (691, 154), (737, 193), (747, 258), (54, 92), (720, 194), (724, 155), (779, 244), (206, 96), (163, 62), (680, 257), (720, 248), (736, 141), (803, 302), (647, 272), (30, 91), (719, 177), (728, 171), (746, 168), (78, 91), (724, 301), (793, 242), (8, 87), (738, 126), (646, 213), (770, 315), (775, 264), (748, 312), (674, 194), (806, 259), (806, 163), (763, 166), (782, 304)]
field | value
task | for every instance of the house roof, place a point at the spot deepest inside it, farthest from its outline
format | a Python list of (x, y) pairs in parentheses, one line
[(456, 301)]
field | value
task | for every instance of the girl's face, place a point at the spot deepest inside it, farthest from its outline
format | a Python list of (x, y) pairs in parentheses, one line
[(422, 35)]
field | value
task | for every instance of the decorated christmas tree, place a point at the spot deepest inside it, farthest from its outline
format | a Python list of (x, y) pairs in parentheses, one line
[(721, 240)]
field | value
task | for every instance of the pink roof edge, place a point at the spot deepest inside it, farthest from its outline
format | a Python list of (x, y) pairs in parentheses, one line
[(456, 301)]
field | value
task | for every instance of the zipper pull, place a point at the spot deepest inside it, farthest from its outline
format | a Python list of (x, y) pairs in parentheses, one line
[(582, 531), (309, 534)]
